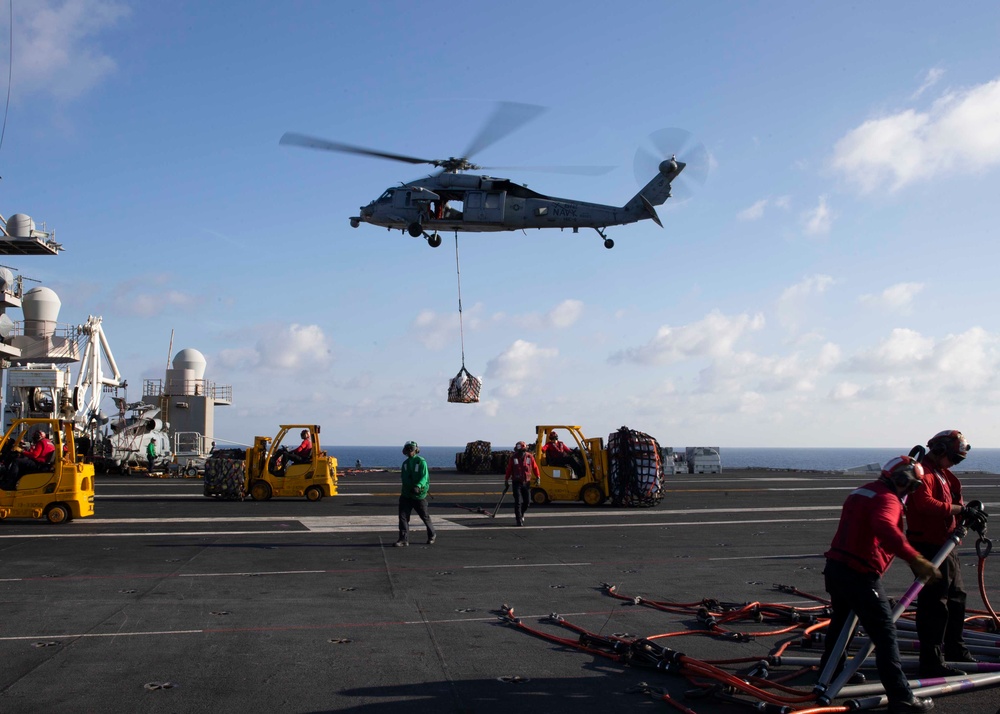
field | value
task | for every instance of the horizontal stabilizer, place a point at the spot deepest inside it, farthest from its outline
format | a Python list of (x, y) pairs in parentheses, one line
[(650, 210)]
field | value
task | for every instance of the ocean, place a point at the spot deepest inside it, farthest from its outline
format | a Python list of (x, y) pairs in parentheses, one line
[(800, 459)]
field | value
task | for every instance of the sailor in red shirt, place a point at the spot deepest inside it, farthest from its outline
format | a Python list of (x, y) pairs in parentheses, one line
[(931, 517), (869, 535), (556, 453), (36, 458), (521, 468), (303, 452)]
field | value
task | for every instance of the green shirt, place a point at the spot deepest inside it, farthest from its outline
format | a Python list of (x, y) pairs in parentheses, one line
[(416, 479), (151, 449)]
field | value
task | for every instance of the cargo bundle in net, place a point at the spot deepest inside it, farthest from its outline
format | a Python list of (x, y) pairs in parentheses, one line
[(464, 388), (635, 472)]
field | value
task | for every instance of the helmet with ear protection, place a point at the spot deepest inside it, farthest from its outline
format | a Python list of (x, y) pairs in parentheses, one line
[(410, 447), (950, 443), (903, 473)]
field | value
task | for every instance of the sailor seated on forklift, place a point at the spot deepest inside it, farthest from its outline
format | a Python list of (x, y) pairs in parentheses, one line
[(556, 453), (283, 458), (39, 457), (303, 452)]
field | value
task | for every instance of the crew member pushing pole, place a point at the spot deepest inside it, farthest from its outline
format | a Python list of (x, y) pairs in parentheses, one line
[(868, 536)]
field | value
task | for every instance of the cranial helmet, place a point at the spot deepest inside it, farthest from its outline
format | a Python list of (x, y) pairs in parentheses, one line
[(410, 447), (520, 446), (950, 443), (553, 435), (304, 434), (904, 473)]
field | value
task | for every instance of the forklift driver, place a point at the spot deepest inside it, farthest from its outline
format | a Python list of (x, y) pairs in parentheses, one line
[(33, 460), (556, 453), (303, 452)]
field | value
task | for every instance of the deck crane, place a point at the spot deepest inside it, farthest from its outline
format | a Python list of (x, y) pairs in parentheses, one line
[(91, 377)]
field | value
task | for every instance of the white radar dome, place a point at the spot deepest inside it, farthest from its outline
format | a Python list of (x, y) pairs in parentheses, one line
[(190, 360), (20, 226), (6, 280), (41, 304)]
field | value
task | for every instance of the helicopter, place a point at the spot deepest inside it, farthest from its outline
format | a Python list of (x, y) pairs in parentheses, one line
[(456, 199)]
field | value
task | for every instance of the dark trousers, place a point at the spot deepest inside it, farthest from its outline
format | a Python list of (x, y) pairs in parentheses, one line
[(941, 610), (863, 593), (522, 496), (406, 507)]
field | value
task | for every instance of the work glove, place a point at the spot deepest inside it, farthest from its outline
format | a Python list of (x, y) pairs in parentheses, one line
[(973, 516), (924, 570)]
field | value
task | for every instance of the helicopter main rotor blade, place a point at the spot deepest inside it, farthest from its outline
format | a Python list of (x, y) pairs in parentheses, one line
[(312, 142), (507, 118), (571, 170)]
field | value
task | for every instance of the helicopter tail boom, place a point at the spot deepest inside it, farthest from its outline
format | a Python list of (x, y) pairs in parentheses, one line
[(655, 193)]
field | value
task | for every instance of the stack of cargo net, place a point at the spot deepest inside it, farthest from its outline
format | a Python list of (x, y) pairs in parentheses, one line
[(498, 461), (464, 388), (226, 474), (634, 468), (477, 458)]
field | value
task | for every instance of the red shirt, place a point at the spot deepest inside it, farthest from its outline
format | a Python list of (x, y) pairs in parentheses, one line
[(40, 450), (928, 511), (557, 446), (305, 446), (870, 531), (521, 468)]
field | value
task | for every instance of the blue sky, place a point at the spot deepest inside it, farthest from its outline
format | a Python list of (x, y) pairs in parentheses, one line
[(831, 284)]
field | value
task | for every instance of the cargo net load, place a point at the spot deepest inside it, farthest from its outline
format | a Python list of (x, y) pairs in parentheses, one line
[(635, 472), (464, 388), (226, 474)]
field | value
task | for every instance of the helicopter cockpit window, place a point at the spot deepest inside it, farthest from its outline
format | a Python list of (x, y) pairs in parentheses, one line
[(386, 197)]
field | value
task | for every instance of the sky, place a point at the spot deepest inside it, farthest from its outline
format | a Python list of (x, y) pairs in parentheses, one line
[(831, 283)]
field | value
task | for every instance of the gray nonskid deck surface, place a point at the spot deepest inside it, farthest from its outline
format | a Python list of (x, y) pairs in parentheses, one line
[(167, 601)]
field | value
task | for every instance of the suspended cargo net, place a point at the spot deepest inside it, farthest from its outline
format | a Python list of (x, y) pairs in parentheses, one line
[(635, 469), (464, 388), (226, 475)]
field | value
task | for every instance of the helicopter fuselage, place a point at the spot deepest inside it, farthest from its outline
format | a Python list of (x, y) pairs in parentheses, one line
[(449, 202)]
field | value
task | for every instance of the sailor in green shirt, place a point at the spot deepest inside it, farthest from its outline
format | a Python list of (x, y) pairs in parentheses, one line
[(151, 454), (413, 496)]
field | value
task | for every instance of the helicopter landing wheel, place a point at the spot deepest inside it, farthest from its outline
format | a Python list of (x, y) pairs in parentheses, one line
[(415, 230), (434, 241), (608, 243)]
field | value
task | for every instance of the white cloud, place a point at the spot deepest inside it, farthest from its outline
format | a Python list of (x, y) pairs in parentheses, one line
[(932, 77), (149, 297), (819, 220), (287, 348), (756, 211), (56, 49), (898, 297), (436, 331), (712, 336), (563, 315), (794, 298), (519, 363), (903, 349), (957, 135)]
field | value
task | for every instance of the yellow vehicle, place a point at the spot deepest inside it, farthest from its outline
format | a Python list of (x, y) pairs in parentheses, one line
[(582, 476), (60, 490), (269, 469)]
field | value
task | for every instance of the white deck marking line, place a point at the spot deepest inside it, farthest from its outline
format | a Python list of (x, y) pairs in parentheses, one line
[(228, 630), (439, 524), (526, 565)]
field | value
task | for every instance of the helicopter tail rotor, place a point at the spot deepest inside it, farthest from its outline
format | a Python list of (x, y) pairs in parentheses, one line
[(680, 147)]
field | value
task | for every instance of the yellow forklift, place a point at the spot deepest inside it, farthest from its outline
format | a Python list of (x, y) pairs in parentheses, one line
[(268, 469), (59, 490), (579, 475)]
